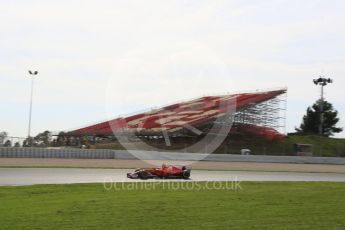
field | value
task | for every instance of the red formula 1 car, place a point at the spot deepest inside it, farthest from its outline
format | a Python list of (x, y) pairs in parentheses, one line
[(164, 172)]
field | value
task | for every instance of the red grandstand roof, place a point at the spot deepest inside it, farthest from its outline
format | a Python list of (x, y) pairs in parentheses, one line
[(179, 116)]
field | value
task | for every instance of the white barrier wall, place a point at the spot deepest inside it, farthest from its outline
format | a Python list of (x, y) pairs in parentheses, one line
[(56, 153), (148, 155)]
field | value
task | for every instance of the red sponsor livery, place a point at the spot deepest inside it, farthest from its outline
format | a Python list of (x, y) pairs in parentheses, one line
[(178, 117)]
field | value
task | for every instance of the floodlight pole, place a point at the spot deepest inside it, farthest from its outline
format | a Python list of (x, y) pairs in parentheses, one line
[(322, 82), (32, 74), (321, 112)]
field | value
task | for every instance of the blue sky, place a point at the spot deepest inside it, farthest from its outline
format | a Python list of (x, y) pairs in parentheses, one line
[(99, 59)]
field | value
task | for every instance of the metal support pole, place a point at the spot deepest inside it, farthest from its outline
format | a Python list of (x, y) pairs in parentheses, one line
[(30, 108), (32, 74), (321, 112)]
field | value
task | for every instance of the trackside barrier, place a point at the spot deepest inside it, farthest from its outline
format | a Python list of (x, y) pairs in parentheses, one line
[(56, 153), (152, 155)]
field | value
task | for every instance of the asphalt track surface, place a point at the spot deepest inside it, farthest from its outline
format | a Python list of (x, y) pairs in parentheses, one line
[(33, 176)]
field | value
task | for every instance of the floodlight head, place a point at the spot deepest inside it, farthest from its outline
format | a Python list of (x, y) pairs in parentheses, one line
[(315, 81), (330, 80), (33, 72)]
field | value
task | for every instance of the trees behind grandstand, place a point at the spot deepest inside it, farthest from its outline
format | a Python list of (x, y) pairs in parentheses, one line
[(8, 143), (43, 139), (311, 121), (3, 137)]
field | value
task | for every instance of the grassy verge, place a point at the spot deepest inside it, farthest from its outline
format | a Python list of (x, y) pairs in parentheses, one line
[(322, 146), (269, 205)]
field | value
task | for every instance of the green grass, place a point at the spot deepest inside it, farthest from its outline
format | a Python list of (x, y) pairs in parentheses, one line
[(322, 146), (267, 205)]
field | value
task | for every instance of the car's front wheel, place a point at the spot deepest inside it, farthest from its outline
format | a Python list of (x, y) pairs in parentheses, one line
[(143, 175), (186, 174)]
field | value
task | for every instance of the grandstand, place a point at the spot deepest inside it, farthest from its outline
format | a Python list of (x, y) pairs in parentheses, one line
[(258, 113)]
